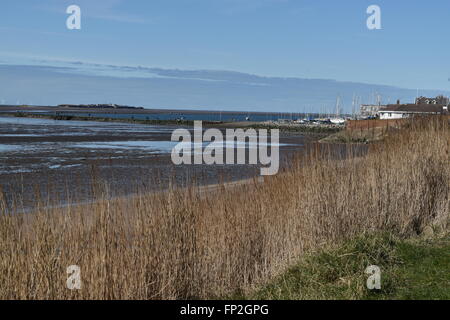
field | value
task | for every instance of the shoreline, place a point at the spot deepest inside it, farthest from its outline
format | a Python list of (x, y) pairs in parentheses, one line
[(319, 131), (58, 156), (260, 230)]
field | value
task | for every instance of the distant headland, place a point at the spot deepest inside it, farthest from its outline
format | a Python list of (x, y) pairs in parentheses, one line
[(99, 106)]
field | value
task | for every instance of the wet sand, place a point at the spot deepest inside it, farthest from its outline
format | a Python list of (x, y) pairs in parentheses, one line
[(65, 161)]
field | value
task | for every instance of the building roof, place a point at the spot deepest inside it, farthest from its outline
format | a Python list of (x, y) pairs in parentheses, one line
[(438, 100), (419, 108)]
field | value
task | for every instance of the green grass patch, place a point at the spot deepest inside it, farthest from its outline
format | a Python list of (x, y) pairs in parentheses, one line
[(410, 269)]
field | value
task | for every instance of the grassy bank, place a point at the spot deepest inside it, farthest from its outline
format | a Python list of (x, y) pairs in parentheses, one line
[(317, 130), (184, 244), (103, 119), (362, 134), (410, 269), (359, 136)]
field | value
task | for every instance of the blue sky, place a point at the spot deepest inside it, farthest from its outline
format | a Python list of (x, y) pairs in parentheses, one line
[(274, 38)]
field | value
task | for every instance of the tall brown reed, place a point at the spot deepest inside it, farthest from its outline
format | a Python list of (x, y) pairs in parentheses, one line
[(192, 243)]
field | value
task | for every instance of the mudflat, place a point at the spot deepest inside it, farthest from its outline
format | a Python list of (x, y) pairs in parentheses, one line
[(70, 159)]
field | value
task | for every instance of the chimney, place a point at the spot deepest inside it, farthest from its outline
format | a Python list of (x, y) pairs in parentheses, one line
[(398, 101)]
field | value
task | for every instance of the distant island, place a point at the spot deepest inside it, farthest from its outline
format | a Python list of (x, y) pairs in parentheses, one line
[(96, 106)]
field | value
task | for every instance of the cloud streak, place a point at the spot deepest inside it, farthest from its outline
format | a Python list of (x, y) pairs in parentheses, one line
[(69, 82)]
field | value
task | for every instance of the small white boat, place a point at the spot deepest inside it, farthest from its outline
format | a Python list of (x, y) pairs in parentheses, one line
[(337, 121)]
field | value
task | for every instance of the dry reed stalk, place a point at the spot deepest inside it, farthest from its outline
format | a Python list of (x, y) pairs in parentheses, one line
[(194, 244)]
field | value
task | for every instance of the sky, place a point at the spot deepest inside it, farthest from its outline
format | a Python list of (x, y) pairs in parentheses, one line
[(312, 39)]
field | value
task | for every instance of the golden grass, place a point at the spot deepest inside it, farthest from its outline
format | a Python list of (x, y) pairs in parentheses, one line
[(194, 244)]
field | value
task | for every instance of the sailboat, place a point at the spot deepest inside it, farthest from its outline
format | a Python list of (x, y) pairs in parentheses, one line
[(337, 119)]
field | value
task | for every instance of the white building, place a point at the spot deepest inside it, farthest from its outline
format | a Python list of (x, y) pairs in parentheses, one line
[(401, 111), (370, 110)]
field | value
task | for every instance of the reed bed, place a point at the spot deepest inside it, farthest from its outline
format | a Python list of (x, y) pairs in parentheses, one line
[(191, 243)]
